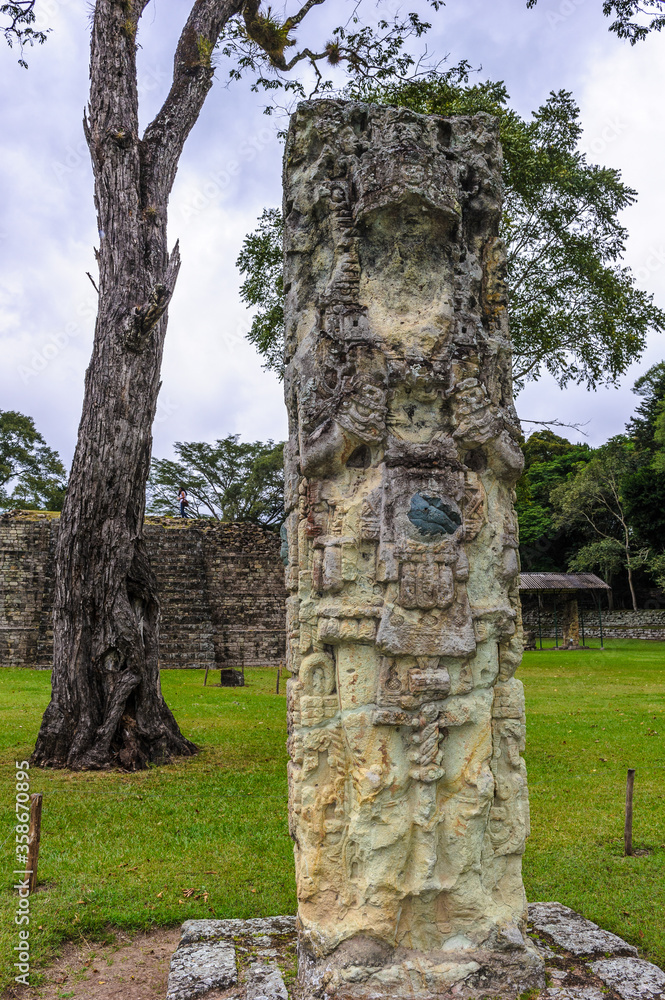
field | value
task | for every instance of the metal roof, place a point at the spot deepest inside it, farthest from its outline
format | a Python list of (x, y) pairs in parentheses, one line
[(561, 581)]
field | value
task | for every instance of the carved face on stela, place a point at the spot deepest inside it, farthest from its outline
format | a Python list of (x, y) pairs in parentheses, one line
[(405, 362), (394, 416)]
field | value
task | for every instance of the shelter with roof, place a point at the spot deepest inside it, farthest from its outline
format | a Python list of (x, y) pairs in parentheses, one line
[(557, 596)]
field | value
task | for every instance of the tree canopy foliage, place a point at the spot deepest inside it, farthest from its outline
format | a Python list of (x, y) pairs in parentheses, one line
[(548, 461), (259, 42), (263, 288), (575, 310), (645, 487), (599, 509), (647, 425), (32, 477), (633, 19), (229, 480), (594, 498)]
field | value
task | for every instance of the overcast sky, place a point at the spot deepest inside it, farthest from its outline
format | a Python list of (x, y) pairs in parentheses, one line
[(213, 384)]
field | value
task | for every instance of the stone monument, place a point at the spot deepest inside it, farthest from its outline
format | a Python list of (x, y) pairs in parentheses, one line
[(408, 795)]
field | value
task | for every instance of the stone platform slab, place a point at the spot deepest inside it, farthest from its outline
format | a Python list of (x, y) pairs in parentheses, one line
[(571, 931), (256, 960)]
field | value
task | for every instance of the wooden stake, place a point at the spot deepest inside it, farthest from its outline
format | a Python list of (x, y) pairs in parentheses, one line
[(279, 670), (628, 827), (205, 679), (34, 834)]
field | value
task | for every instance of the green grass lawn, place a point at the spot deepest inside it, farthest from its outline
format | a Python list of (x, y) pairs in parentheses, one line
[(208, 836), (590, 716), (126, 849)]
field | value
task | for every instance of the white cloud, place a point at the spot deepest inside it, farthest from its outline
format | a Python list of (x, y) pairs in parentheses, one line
[(212, 379)]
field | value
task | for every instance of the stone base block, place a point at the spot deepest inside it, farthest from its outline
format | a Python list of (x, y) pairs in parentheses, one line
[(237, 956), (631, 978), (254, 960), (364, 970), (264, 982), (200, 967), (573, 932)]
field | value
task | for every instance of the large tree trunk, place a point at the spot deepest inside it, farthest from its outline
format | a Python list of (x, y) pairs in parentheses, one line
[(106, 707)]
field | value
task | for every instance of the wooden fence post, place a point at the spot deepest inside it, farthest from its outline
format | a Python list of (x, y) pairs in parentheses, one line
[(34, 833), (628, 826)]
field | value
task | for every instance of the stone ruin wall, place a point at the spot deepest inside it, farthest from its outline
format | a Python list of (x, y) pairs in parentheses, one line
[(408, 798), (26, 568), (645, 624), (221, 588)]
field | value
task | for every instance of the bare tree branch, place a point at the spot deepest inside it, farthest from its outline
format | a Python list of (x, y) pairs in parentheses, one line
[(557, 423), (294, 21), (165, 136)]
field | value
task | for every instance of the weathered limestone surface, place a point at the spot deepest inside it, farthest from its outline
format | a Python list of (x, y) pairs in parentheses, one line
[(200, 967), (408, 795), (570, 930), (573, 993), (256, 957), (632, 978), (264, 982), (240, 957)]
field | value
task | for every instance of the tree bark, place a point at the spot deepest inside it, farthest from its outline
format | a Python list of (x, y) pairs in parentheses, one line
[(610, 595), (106, 707), (630, 580), (629, 566)]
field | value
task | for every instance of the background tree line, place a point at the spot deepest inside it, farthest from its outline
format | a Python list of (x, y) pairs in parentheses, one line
[(230, 480), (601, 510), (580, 509)]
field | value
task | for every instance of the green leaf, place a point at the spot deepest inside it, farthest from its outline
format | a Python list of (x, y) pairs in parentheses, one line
[(31, 474), (229, 480)]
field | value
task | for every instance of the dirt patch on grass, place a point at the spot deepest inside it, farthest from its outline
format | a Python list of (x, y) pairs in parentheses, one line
[(132, 967)]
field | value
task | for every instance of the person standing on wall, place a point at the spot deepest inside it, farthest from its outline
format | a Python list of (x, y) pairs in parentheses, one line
[(182, 497)]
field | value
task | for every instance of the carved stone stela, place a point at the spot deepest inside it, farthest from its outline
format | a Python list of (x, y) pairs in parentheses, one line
[(408, 796)]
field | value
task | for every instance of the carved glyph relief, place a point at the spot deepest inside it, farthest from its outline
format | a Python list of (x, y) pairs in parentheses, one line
[(408, 796)]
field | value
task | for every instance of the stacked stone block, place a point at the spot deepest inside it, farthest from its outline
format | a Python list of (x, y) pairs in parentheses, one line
[(24, 583), (186, 627), (221, 590), (645, 624)]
